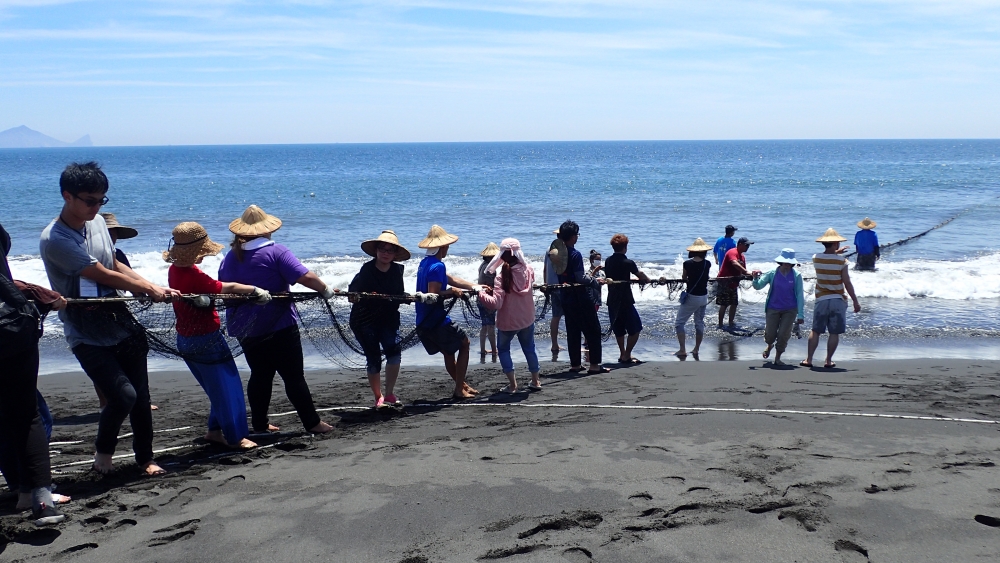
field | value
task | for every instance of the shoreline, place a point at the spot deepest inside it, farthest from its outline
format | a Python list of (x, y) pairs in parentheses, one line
[(56, 359), (608, 475)]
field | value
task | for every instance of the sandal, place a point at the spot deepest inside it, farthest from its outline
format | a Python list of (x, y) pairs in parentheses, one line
[(830, 365), (599, 370), (578, 369), (508, 390), (534, 387), (767, 352), (805, 364)]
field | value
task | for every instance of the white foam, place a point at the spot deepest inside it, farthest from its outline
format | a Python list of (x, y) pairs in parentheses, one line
[(964, 279)]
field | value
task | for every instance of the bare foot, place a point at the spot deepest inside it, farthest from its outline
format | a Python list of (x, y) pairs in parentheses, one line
[(102, 464), (154, 408), (466, 388), (216, 437), (321, 428), (462, 394), (153, 470), (24, 500), (272, 428), (246, 444)]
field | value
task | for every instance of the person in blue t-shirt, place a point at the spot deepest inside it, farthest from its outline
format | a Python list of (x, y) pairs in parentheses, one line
[(866, 243), (723, 245), (434, 327)]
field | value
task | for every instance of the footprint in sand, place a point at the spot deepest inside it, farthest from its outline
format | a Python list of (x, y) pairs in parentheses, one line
[(851, 550), (74, 550), (577, 555), (182, 498), (181, 531)]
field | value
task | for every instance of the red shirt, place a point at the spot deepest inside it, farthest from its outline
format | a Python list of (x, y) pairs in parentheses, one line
[(728, 270), (191, 320)]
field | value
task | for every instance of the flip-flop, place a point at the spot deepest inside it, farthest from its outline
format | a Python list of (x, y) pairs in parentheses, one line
[(805, 364), (577, 370), (767, 352), (602, 370), (829, 366), (534, 387)]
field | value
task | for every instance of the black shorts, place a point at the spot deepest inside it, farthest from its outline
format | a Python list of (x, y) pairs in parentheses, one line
[(446, 338), (727, 296), (624, 320)]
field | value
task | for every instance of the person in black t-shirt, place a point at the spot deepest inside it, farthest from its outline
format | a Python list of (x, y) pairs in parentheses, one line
[(375, 322), (696, 299), (621, 303)]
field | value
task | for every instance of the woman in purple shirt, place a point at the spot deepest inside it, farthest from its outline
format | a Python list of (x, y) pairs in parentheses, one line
[(269, 334), (785, 304)]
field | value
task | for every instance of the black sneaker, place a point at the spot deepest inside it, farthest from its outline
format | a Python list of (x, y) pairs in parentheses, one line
[(47, 516)]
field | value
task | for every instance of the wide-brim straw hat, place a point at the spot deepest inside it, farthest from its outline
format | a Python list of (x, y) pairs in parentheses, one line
[(437, 237), (491, 250), (699, 245), (370, 247), (558, 255), (190, 243), (867, 224), (123, 231), (254, 223), (831, 235), (787, 256)]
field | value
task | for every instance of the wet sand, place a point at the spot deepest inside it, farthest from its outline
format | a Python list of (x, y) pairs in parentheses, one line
[(589, 469)]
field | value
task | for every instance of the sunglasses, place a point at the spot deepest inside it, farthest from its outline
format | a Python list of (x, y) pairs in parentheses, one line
[(93, 202), (387, 250)]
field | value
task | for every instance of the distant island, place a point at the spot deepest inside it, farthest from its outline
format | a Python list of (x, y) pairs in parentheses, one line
[(24, 138)]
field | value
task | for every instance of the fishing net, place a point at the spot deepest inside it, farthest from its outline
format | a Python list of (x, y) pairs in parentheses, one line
[(327, 324)]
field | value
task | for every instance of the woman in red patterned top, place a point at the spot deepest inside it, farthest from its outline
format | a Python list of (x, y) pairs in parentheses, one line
[(199, 338)]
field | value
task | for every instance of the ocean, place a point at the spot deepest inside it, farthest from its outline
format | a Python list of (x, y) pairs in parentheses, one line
[(936, 296)]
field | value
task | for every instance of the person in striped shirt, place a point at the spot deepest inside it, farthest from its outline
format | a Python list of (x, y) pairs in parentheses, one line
[(833, 286)]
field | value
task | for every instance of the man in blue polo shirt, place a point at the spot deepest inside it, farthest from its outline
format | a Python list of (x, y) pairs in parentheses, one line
[(434, 327), (866, 243), (723, 245)]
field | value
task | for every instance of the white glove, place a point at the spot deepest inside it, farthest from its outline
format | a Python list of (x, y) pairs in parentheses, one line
[(201, 301), (262, 296), (328, 292), (426, 298)]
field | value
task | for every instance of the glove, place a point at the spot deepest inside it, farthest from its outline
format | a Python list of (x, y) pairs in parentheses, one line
[(201, 301), (328, 292), (426, 298), (262, 296)]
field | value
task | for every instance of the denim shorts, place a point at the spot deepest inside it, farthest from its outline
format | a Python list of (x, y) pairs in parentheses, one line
[(830, 314)]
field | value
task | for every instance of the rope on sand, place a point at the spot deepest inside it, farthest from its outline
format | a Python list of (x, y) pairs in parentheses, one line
[(712, 409)]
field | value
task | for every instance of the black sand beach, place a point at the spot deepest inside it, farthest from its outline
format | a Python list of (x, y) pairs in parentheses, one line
[(589, 469)]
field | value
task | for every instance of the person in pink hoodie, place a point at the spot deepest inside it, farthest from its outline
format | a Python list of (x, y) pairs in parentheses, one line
[(512, 298)]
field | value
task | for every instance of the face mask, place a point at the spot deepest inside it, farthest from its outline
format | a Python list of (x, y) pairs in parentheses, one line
[(595, 262)]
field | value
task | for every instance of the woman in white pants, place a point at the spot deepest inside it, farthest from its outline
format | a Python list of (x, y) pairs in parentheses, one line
[(695, 299)]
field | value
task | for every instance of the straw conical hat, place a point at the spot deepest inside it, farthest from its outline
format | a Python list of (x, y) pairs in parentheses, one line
[(491, 250), (254, 222), (831, 235), (189, 243), (123, 231), (370, 247), (559, 255), (436, 237), (867, 224), (699, 245)]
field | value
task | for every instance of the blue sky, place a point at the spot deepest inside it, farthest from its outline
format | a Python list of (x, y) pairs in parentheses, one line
[(208, 72)]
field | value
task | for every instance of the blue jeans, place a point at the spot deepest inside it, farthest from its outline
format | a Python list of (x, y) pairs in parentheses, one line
[(210, 361), (526, 338)]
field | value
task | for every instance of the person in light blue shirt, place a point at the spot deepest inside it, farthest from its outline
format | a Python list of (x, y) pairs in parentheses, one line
[(723, 245), (785, 304), (866, 243)]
